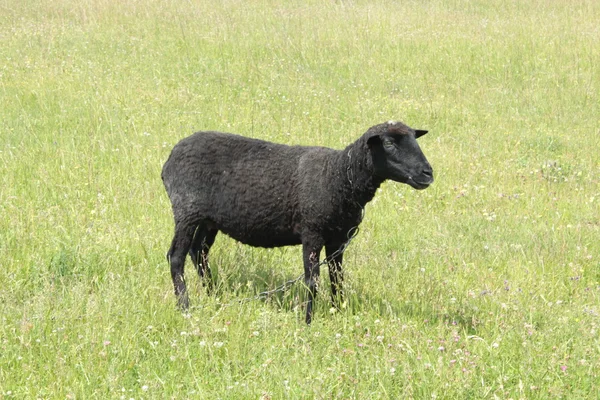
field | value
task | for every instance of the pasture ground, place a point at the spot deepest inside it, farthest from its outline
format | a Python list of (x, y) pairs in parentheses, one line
[(486, 285)]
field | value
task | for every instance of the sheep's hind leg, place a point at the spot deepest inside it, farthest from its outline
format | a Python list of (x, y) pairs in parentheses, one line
[(312, 270), (203, 240), (180, 245), (336, 275)]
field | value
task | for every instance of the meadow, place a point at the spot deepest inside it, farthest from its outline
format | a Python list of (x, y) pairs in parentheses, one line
[(484, 286)]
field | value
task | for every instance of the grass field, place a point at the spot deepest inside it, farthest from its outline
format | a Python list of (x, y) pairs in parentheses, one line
[(485, 285)]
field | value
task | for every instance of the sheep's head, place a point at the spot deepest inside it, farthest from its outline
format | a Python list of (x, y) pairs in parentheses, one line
[(397, 156)]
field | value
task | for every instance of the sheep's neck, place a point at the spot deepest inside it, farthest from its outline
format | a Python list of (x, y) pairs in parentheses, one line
[(360, 184)]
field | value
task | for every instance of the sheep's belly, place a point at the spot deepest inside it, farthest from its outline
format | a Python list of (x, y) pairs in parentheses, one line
[(265, 239)]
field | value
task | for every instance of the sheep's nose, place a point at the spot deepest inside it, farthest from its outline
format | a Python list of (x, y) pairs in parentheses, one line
[(428, 174)]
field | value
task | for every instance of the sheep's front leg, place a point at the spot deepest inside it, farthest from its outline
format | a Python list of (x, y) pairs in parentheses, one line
[(312, 270), (336, 275)]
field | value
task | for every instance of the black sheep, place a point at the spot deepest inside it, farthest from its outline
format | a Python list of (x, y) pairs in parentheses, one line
[(268, 195)]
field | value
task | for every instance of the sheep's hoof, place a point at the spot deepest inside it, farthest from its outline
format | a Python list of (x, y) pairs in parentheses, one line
[(183, 302), (308, 314)]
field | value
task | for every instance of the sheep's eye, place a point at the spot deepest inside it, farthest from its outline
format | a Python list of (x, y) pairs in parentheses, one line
[(389, 144)]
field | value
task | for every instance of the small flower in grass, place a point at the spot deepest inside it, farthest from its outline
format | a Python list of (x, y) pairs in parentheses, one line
[(202, 343), (563, 368), (106, 343), (255, 333), (218, 344), (379, 339), (392, 371), (145, 388), (495, 345), (441, 348), (360, 345)]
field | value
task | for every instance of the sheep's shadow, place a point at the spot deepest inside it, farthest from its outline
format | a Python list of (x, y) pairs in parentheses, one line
[(246, 274), (242, 273)]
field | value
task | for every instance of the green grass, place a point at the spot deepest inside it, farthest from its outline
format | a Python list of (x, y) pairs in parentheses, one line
[(486, 285)]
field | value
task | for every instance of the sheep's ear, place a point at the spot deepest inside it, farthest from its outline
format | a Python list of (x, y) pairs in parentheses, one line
[(374, 140), (419, 133)]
